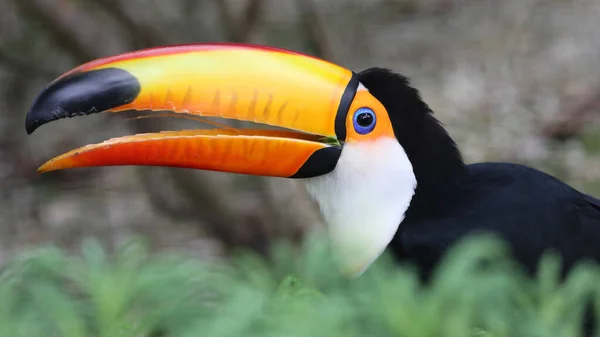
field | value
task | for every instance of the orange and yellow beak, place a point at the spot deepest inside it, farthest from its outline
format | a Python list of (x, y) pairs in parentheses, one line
[(307, 96), (324, 117)]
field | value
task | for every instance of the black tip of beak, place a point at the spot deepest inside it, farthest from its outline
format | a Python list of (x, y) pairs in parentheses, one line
[(82, 93)]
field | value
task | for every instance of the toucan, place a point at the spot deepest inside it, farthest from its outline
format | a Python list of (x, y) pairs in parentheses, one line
[(383, 170)]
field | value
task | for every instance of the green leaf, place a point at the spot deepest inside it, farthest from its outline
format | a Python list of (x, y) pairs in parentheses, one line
[(476, 291)]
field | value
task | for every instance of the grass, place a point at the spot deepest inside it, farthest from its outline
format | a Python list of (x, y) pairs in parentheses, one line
[(137, 293)]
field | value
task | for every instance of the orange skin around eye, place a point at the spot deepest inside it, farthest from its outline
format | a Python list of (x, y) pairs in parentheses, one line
[(383, 126)]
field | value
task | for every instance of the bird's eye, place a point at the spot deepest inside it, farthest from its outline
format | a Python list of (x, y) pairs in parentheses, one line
[(364, 120)]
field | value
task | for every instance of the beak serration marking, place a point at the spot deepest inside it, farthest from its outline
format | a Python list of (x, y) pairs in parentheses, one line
[(296, 117), (186, 103), (168, 103), (280, 112), (267, 109), (252, 106), (233, 104), (216, 103)]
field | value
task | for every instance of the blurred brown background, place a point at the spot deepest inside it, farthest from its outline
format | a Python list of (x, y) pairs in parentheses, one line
[(513, 80)]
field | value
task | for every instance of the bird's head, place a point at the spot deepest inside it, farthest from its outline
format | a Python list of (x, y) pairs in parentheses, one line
[(356, 140)]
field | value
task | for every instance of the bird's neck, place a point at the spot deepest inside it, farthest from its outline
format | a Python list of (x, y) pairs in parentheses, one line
[(363, 201), (437, 164)]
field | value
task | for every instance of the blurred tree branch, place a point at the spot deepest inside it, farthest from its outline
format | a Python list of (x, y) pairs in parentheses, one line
[(239, 30), (25, 68), (313, 30), (574, 118), (59, 22), (140, 36)]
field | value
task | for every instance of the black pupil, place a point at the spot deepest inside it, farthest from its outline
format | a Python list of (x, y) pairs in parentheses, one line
[(364, 119)]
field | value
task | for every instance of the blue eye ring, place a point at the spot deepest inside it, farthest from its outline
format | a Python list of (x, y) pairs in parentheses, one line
[(364, 120)]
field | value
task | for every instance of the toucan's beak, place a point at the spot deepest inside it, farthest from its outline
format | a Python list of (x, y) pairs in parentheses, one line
[(307, 96), (318, 107)]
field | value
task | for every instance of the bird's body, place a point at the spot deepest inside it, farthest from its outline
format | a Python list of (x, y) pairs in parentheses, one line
[(533, 212)]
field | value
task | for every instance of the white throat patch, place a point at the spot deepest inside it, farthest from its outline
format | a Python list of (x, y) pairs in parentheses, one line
[(364, 199)]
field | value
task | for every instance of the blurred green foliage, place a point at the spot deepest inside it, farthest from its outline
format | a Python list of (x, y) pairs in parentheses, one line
[(477, 291)]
